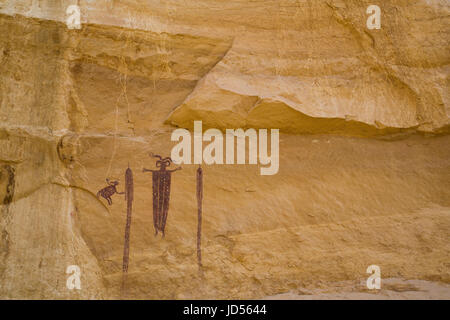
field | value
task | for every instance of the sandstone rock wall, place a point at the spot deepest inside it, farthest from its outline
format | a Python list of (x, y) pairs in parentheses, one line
[(364, 146)]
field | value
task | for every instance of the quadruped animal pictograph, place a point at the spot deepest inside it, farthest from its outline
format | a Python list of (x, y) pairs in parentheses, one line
[(108, 191)]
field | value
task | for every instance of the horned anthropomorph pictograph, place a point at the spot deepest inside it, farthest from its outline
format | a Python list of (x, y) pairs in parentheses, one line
[(161, 191)]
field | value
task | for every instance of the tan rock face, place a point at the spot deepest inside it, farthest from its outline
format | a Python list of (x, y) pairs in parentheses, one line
[(364, 146)]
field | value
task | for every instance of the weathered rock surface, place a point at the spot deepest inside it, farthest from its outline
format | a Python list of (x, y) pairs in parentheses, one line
[(364, 148)]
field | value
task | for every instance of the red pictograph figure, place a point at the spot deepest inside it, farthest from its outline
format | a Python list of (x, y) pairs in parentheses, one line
[(129, 199), (108, 191), (129, 191), (161, 192), (199, 215)]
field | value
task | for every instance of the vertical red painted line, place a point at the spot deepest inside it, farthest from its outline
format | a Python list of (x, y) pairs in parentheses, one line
[(129, 199), (199, 215)]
